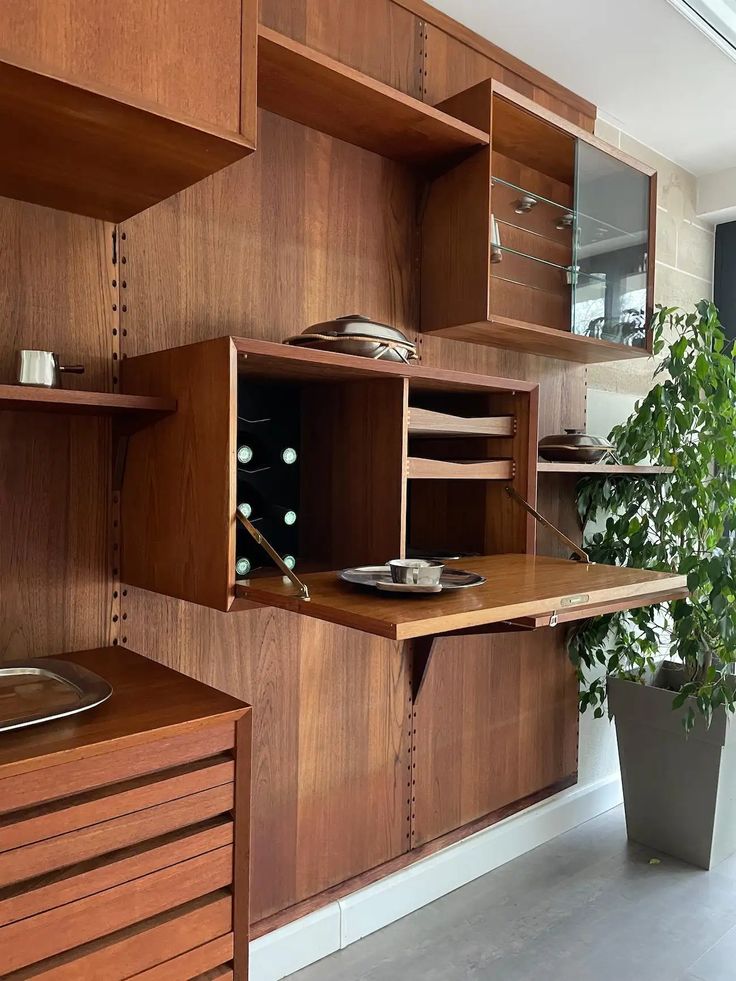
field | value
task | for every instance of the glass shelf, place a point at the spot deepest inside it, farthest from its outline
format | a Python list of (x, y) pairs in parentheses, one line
[(591, 229), (567, 270)]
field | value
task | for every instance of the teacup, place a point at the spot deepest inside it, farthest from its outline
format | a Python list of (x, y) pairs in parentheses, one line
[(416, 572)]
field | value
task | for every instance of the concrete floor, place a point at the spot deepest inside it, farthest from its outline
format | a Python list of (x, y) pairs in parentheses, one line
[(584, 907)]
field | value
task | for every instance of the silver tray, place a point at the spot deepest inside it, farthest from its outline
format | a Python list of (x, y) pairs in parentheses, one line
[(44, 688), (371, 575)]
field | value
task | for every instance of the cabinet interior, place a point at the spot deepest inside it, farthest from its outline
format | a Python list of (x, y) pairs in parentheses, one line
[(458, 515)]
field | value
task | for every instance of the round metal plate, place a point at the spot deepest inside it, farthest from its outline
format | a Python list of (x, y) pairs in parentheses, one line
[(371, 575)]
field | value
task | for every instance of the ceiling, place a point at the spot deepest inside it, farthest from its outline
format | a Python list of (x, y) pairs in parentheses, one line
[(649, 70)]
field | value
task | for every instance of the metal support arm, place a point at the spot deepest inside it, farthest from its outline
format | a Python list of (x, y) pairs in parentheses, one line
[(582, 556), (261, 540)]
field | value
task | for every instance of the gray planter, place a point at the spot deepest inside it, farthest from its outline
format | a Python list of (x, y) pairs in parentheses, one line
[(679, 791)]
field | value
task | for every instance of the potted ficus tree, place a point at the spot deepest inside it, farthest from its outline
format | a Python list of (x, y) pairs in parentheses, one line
[(666, 670)]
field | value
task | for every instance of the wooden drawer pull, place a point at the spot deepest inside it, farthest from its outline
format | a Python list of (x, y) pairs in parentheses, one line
[(68, 926)]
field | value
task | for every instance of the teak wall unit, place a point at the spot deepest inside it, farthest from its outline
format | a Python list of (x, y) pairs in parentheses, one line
[(306, 228), (125, 832)]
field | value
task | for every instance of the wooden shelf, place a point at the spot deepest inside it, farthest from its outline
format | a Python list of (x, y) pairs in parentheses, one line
[(614, 469), (426, 423), (20, 398), (310, 88), (420, 468), (96, 152), (516, 335), (516, 586)]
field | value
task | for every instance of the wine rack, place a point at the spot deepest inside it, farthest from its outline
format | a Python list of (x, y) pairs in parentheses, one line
[(268, 462)]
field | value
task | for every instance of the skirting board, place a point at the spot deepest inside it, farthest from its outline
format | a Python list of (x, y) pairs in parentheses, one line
[(296, 945)]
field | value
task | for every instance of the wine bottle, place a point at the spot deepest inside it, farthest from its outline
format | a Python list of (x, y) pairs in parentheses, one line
[(242, 566), (283, 514), (254, 506), (255, 454)]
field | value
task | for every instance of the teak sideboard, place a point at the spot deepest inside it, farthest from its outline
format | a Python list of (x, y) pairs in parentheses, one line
[(124, 833), (267, 169)]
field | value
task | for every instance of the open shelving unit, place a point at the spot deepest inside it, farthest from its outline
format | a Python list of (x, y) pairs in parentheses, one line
[(98, 152), (24, 398), (313, 89), (372, 485)]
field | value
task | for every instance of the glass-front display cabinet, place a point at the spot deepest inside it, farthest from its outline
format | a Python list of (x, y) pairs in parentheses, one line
[(543, 242)]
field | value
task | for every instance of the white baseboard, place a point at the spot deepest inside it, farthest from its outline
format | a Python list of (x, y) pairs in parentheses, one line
[(309, 939)]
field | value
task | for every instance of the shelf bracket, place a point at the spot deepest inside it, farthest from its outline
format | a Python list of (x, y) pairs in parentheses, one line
[(261, 540), (580, 555), (422, 648)]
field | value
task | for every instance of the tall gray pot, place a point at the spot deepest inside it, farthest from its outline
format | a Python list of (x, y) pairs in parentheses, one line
[(679, 791)]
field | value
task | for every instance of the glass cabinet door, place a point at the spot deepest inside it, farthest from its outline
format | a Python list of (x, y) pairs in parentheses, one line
[(610, 243)]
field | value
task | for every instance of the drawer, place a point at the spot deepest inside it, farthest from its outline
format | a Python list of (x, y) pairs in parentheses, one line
[(51, 854), (86, 810), (144, 946), (210, 957), (50, 783), (84, 920), (50, 891)]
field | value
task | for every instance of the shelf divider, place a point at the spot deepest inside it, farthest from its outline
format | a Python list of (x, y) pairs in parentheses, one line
[(421, 468), (427, 423)]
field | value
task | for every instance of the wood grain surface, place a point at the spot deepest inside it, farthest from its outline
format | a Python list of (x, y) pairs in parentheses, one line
[(134, 46), (495, 721), (92, 152), (314, 89), (346, 31), (56, 567), (515, 586), (307, 229)]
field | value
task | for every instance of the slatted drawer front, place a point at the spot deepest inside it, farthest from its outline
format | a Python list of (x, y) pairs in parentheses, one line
[(34, 938), (133, 951), (90, 878), (193, 963), (79, 776), (45, 838)]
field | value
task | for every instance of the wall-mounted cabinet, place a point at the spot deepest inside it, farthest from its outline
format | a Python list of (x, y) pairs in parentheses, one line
[(543, 242), (132, 105), (369, 460)]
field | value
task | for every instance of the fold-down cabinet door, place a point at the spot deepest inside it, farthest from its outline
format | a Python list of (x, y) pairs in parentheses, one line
[(517, 586)]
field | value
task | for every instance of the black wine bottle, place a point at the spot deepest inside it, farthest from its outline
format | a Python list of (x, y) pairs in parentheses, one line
[(253, 505), (254, 453)]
